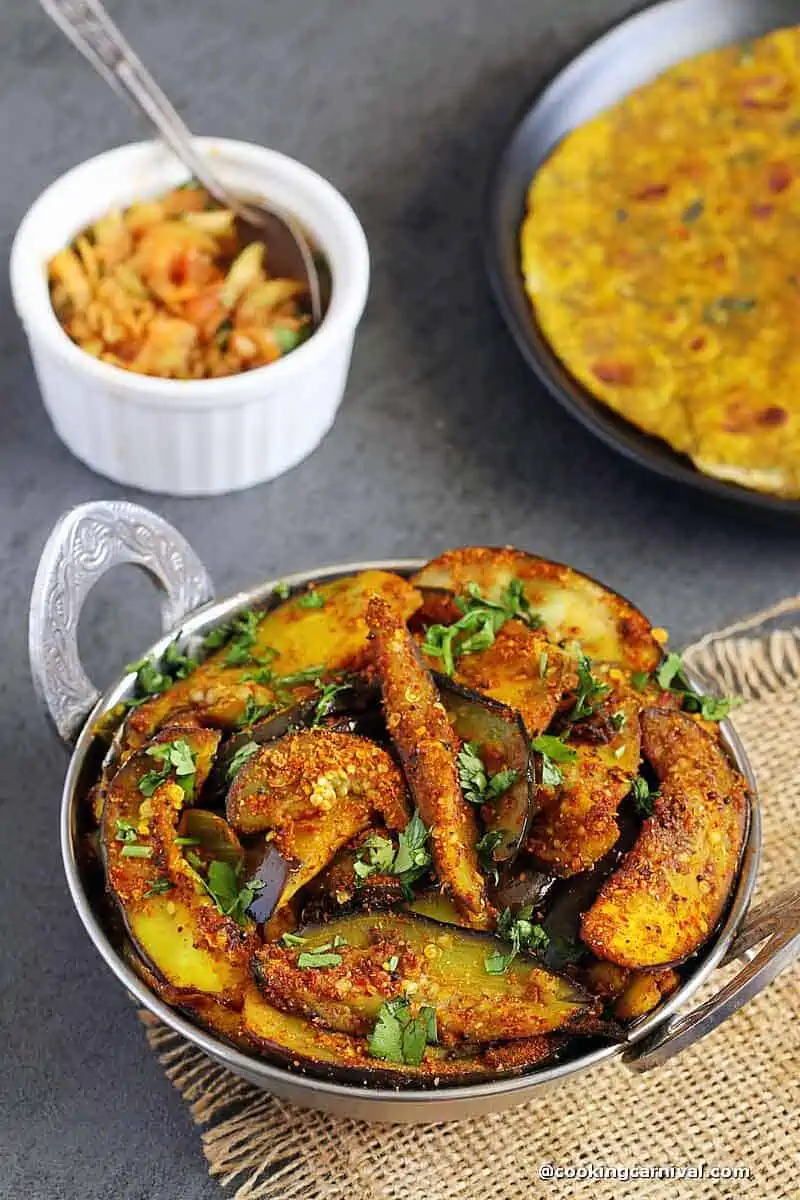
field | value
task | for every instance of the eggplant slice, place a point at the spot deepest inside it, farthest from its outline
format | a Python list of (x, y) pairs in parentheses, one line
[(571, 606), (313, 791), (288, 640), (425, 741), (671, 889), (172, 921), (502, 745), (577, 824), (310, 1048), (385, 955)]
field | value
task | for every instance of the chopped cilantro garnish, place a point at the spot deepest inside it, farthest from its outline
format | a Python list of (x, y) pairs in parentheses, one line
[(552, 751), (133, 850), (153, 678), (478, 787), (318, 958), (643, 797), (159, 886), (281, 590), (617, 720), (174, 756), (481, 621), (292, 940), (401, 1038), (222, 885), (712, 708), (253, 711), (408, 863), (522, 933), (125, 831), (639, 680), (324, 704), (240, 758), (485, 849), (391, 963), (589, 692), (311, 599)]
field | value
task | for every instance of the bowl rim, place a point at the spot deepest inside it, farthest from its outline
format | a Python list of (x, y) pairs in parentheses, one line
[(31, 296), (270, 1073)]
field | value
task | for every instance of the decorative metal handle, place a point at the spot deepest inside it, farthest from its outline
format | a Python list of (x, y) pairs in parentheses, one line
[(776, 924), (85, 543)]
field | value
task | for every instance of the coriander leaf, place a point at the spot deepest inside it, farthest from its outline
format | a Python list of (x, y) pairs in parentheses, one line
[(375, 855), (125, 831), (477, 628), (486, 848), (543, 661), (669, 671), (281, 590), (413, 856), (158, 887), (522, 933), (589, 691), (241, 756), (253, 711), (325, 702), (134, 850), (318, 958), (177, 664), (639, 680), (222, 885), (311, 599), (552, 751), (472, 773), (292, 940), (500, 782), (617, 720), (391, 963), (643, 798), (151, 781), (399, 1037), (717, 708)]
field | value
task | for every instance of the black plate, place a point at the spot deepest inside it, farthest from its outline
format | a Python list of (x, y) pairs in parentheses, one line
[(632, 53)]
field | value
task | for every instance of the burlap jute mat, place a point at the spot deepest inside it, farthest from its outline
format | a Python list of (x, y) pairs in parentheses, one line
[(733, 1100)]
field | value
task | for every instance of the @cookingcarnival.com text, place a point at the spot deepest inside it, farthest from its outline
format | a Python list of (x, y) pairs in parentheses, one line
[(595, 1171)]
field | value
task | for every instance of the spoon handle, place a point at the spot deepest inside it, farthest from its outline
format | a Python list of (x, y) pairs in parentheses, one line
[(89, 27)]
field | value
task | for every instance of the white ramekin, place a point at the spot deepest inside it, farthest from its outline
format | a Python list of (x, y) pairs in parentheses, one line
[(190, 437)]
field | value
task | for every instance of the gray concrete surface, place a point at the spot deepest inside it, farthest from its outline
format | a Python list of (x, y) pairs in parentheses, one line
[(443, 438)]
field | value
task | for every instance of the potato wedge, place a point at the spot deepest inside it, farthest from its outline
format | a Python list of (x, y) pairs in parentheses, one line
[(502, 744), (577, 824), (312, 792), (670, 891), (297, 1042), (572, 606), (173, 922), (437, 964), (292, 638), (631, 994), (426, 743)]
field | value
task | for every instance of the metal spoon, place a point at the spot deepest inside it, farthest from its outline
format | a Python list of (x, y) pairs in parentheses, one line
[(89, 27)]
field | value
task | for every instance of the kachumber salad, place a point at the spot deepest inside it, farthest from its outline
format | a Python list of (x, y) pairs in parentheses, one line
[(419, 831), (166, 287)]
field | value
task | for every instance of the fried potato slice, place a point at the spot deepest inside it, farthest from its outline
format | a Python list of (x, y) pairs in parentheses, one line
[(309, 1047), (436, 964), (577, 823), (571, 606), (173, 922), (426, 743), (668, 894), (291, 638), (632, 994), (312, 792)]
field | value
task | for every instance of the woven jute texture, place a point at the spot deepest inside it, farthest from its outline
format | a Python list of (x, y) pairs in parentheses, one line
[(731, 1101)]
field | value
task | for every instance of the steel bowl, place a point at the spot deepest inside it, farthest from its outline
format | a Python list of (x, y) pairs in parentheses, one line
[(91, 539)]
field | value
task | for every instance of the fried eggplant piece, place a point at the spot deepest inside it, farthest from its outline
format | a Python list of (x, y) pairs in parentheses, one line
[(313, 791), (571, 606), (173, 922), (671, 889), (310, 1048), (577, 824), (425, 740), (502, 744), (379, 956), (289, 639), (522, 670)]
